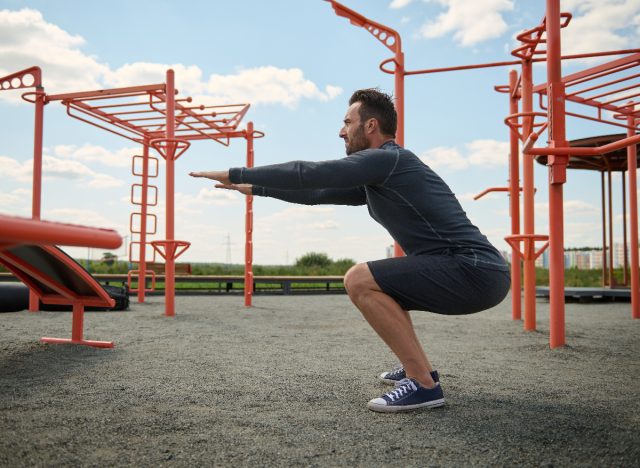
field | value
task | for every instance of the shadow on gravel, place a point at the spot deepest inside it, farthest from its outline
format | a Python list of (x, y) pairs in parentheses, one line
[(37, 364)]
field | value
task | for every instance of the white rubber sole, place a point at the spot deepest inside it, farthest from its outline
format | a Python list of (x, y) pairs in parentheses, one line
[(402, 408)]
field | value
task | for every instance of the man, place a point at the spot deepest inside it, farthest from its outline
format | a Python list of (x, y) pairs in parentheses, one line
[(449, 267)]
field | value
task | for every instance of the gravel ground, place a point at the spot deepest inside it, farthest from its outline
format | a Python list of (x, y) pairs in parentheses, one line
[(286, 382)]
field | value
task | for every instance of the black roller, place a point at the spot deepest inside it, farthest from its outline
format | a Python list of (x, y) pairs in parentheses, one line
[(13, 297)]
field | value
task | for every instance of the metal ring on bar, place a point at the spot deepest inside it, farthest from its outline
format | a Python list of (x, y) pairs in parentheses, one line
[(172, 147), (385, 70), (515, 126)]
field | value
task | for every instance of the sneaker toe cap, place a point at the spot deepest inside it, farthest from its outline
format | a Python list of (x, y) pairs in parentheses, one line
[(378, 402)]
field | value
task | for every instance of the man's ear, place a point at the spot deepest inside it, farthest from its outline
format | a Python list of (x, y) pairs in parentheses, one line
[(371, 125)]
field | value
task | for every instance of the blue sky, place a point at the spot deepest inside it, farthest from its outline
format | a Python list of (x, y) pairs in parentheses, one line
[(297, 63)]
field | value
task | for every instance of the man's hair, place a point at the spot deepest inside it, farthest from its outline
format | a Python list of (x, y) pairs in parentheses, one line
[(378, 105)]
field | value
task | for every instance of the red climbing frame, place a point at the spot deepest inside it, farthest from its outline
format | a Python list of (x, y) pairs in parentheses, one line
[(153, 116), (603, 95)]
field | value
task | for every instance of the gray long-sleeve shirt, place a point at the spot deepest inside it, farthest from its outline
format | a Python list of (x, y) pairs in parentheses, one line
[(402, 194)]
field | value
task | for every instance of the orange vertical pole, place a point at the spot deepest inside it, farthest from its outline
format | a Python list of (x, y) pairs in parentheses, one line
[(248, 248), (557, 175), (625, 245), (612, 279), (514, 199), (633, 218), (77, 322), (36, 194), (605, 281), (169, 280), (528, 197), (144, 209), (399, 98)]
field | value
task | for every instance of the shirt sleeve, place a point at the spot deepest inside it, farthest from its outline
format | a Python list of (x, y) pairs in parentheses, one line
[(349, 196), (368, 167)]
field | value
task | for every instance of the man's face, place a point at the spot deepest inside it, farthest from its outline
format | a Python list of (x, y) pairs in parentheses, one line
[(353, 130)]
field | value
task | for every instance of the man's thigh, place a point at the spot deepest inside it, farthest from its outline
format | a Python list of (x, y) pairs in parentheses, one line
[(439, 283)]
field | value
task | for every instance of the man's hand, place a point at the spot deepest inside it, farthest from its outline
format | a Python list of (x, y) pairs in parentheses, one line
[(242, 188), (220, 176)]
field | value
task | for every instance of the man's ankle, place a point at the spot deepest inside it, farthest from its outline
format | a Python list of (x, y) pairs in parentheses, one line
[(424, 381)]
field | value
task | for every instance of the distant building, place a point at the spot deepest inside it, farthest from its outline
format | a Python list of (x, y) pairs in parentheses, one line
[(588, 259), (543, 260), (390, 251)]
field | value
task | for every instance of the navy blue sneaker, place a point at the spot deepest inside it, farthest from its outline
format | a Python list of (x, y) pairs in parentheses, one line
[(397, 374), (407, 396)]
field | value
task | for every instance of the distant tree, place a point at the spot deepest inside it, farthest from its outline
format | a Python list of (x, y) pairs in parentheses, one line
[(342, 265), (314, 259), (109, 258)]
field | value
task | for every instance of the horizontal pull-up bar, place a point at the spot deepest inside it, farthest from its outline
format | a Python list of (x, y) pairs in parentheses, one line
[(579, 151), (506, 63)]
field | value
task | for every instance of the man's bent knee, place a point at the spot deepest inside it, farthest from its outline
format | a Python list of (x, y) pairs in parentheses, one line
[(359, 280)]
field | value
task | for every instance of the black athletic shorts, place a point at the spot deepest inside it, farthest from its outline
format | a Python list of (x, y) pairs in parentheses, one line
[(443, 284)]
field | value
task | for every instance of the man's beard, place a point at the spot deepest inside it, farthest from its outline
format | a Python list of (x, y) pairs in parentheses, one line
[(358, 141)]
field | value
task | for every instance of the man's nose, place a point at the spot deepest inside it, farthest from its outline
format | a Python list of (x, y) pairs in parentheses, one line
[(342, 133)]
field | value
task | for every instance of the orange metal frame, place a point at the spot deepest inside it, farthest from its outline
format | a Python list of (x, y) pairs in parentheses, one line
[(153, 116), (607, 97), (16, 231)]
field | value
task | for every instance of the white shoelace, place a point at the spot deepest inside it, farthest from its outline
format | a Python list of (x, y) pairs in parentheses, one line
[(404, 387)]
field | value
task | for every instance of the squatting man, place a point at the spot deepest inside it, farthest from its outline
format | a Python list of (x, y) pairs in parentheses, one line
[(449, 268)]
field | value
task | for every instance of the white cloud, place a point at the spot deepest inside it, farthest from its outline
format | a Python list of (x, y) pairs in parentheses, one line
[(262, 85), (486, 153), (466, 196), (444, 157), (291, 217), (82, 217), (470, 21), (101, 181), (12, 169), (579, 207), (399, 3), (268, 85), (55, 168), (572, 209), (599, 25), (582, 234), (206, 197), (322, 225), (93, 153), (27, 39), (14, 198)]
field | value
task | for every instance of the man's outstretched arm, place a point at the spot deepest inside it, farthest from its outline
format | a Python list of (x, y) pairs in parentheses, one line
[(349, 196)]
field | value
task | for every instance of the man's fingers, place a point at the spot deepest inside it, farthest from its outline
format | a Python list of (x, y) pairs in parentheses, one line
[(242, 188)]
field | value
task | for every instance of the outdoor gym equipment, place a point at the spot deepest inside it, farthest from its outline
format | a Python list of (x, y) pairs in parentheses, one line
[(608, 109), (28, 249), (154, 117)]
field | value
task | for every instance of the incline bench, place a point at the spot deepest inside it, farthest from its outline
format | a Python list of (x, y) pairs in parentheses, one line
[(27, 249)]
